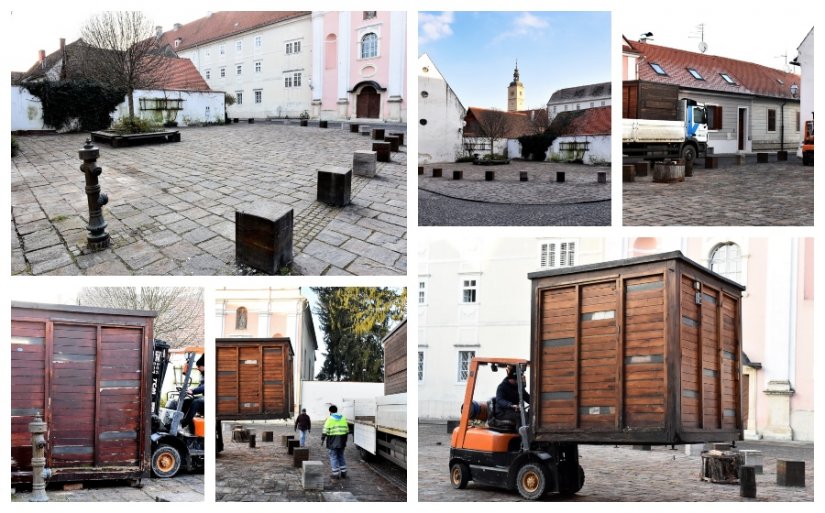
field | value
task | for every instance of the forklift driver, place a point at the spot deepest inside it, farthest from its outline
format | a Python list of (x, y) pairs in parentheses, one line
[(191, 404), (507, 401)]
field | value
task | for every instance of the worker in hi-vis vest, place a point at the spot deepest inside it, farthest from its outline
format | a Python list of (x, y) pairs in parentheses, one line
[(335, 435)]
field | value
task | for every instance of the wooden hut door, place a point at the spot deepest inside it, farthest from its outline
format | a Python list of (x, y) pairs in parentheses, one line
[(28, 376), (274, 379), (368, 104), (72, 396)]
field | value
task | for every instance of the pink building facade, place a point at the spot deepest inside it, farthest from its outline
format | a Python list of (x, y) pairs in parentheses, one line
[(777, 328), (359, 65)]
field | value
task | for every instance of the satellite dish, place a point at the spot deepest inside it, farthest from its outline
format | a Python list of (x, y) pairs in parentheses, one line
[(703, 47)]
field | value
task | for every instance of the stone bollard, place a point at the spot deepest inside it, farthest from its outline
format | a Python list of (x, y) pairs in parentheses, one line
[(300, 455), (263, 236), (312, 475), (267, 436), (353, 127), (98, 238), (291, 445), (642, 168), (39, 471), (601, 177), (286, 438), (489, 176), (436, 172), (711, 162), (420, 170), (393, 140), (382, 149), (752, 458), (334, 185), (400, 136), (782, 156), (559, 176), (323, 124), (761, 158), (377, 134), (747, 482), (790, 473), (252, 437), (364, 163), (458, 175), (522, 176), (628, 173)]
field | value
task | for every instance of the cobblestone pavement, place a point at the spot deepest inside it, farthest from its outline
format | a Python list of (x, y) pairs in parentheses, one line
[(172, 207), (773, 194), (266, 474), (437, 210), (181, 488), (619, 474)]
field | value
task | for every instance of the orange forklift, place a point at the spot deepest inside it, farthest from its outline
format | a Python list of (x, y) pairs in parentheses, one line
[(488, 453)]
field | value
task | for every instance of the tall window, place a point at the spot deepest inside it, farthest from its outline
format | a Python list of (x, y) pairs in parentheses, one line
[(293, 80), (258, 65), (239, 69), (238, 46), (771, 120), (293, 47), (714, 117), (208, 74), (223, 72), (553, 255), (421, 366), (240, 318), (258, 42), (726, 259), (239, 97), (222, 49), (464, 358), (369, 46), (258, 94), (469, 290), (422, 292)]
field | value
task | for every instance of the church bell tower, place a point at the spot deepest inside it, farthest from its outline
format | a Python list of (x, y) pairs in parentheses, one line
[(515, 93)]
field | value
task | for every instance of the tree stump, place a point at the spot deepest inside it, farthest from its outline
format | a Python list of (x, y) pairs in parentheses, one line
[(628, 173), (669, 172), (720, 466)]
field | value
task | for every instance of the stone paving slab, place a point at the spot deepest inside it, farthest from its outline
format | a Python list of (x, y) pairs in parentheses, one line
[(266, 473), (617, 474), (171, 207), (773, 194), (182, 488), (580, 185)]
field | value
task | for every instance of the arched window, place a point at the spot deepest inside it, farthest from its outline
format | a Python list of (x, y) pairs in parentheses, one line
[(726, 259), (369, 46), (240, 318)]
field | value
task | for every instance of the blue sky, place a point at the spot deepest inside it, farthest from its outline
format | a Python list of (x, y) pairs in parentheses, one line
[(477, 51)]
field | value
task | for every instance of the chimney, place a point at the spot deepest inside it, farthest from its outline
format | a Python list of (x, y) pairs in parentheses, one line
[(42, 58), (177, 26), (62, 44), (158, 31)]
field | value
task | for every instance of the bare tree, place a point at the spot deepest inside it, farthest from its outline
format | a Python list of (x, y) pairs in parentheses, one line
[(180, 309), (132, 58), (539, 120), (492, 124)]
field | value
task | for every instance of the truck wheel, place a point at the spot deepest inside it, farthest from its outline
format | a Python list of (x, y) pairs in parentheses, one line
[(531, 481), (459, 475), (688, 152), (365, 454), (571, 490), (165, 461)]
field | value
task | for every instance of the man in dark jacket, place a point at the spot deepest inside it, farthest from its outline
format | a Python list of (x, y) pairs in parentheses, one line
[(303, 424), (196, 401), (335, 434), (507, 400)]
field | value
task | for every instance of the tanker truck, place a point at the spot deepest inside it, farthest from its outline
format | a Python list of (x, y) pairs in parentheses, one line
[(657, 124)]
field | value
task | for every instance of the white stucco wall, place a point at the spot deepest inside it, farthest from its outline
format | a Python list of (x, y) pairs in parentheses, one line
[(440, 139), (26, 111), (598, 152), (806, 68), (318, 395), (195, 105)]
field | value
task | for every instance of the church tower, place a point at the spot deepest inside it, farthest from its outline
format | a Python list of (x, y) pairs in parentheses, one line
[(515, 93)]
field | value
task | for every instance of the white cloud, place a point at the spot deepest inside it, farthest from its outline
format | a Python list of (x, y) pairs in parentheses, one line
[(525, 25), (432, 27)]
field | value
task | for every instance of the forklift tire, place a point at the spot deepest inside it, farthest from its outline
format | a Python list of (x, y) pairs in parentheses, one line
[(573, 491), (165, 461), (459, 475), (532, 480)]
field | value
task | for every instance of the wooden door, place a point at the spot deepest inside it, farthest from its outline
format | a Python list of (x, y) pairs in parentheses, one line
[(368, 104), (28, 375), (741, 129)]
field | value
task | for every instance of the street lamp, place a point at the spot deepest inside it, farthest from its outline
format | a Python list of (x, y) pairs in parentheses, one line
[(794, 93)]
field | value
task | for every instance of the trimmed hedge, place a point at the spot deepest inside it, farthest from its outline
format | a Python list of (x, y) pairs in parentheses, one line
[(89, 102)]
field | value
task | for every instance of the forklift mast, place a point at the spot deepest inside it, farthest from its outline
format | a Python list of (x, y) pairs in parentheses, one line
[(160, 361)]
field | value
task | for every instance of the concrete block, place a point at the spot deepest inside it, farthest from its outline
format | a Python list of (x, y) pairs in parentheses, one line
[(753, 459), (522, 176), (393, 140), (420, 170), (252, 440), (740, 159), (781, 156), (286, 438), (747, 482), (353, 127), (377, 134), (267, 436), (629, 173), (334, 185), (761, 158), (436, 172), (291, 445), (312, 475), (711, 162), (263, 236), (382, 149), (323, 124), (559, 176), (299, 455), (642, 168), (601, 176), (790, 473), (400, 136), (364, 163), (458, 175), (694, 449), (451, 425)]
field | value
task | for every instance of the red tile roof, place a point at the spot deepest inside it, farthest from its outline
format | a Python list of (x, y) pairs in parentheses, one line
[(749, 78), (224, 24), (181, 75), (519, 122), (595, 121)]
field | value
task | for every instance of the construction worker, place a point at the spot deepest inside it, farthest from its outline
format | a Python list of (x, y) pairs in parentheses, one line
[(335, 435)]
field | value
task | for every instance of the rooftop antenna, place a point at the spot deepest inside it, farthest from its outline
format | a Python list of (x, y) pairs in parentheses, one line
[(700, 33), (784, 57), (643, 38)]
